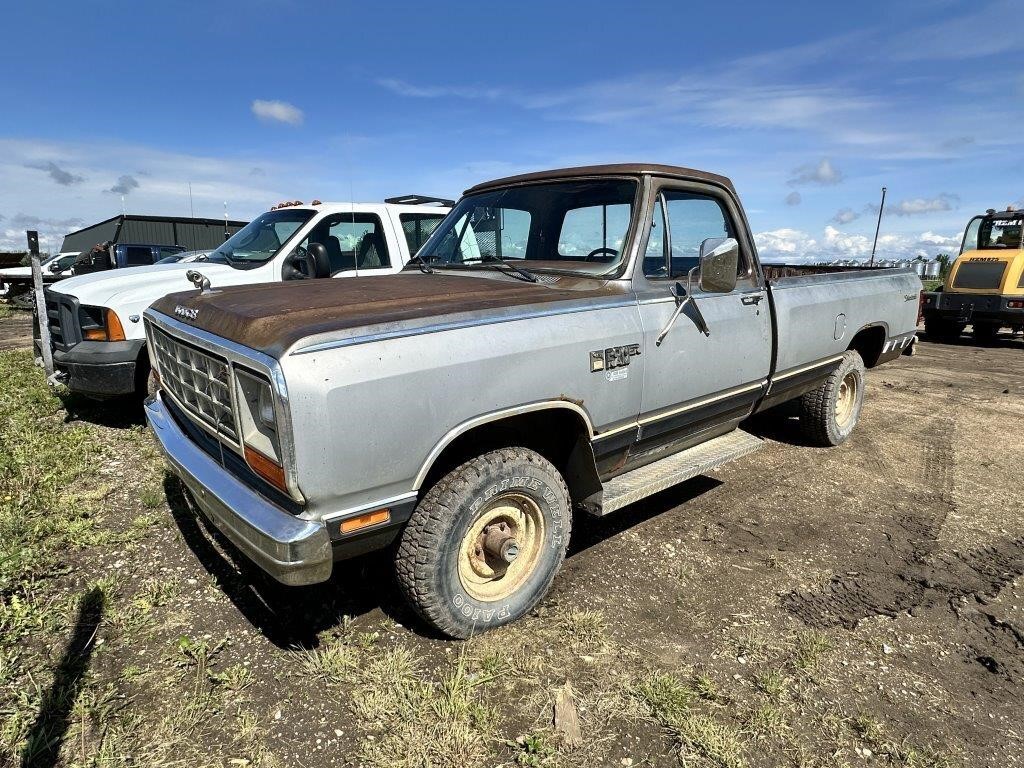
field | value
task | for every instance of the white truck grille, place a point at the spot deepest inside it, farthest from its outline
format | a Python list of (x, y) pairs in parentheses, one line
[(198, 382)]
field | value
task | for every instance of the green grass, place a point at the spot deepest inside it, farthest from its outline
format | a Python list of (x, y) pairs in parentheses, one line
[(44, 511)]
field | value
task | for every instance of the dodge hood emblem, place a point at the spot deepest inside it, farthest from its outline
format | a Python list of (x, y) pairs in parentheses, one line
[(187, 312)]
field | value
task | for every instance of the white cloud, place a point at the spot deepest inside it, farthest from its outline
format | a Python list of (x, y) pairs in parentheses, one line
[(795, 246), (921, 205), (931, 238), (793, 198), (55, 210), (784, 243), (845, 216), (822, 172), (277, 112)]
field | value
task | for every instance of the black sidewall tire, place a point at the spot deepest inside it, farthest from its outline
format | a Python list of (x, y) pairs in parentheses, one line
[(448, 606), (856, 367), (818, 407)]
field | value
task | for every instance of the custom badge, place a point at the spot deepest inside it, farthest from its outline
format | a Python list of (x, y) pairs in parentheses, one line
[(188, 313), (612, 357)]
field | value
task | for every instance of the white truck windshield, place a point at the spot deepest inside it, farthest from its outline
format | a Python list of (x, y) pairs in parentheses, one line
[(260, 239)]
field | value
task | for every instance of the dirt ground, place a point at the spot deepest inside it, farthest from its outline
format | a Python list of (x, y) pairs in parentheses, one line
[(801, 606), (15, 329)]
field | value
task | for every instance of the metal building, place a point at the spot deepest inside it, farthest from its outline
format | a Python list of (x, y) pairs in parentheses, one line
[(192, 234)]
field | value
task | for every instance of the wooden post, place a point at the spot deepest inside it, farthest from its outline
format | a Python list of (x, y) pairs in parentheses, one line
[(42, 318)]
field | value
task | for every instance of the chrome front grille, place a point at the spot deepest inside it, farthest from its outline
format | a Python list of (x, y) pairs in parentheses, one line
[(198, 381)]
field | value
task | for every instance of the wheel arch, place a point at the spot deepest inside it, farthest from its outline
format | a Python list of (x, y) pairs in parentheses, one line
[(559, 430), (869, 342)]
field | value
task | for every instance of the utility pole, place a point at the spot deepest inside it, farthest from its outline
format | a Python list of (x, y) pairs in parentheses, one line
[(877, 227)]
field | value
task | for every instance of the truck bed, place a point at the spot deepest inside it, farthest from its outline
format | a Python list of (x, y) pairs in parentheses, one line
[(819, 310)]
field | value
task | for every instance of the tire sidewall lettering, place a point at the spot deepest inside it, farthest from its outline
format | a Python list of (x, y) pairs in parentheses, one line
[(546, 498)]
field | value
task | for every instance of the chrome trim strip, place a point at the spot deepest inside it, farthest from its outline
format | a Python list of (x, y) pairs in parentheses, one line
[(247, 358), (809, 367), (703, 401), (353, 511), (465, 426), (455, 325), (615, 431)]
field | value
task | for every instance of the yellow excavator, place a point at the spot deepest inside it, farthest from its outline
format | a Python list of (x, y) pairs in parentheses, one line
[(985, 286)]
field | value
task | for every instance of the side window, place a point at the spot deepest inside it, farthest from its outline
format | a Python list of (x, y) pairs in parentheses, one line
[(417, 227), (692, 219), (138, 255), (352, 240), (596, 231)]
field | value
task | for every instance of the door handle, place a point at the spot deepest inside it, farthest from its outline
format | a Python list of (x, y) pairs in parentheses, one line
[(755, 299)]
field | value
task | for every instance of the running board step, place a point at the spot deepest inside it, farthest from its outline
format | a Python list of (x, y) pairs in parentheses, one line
[(643, 482)]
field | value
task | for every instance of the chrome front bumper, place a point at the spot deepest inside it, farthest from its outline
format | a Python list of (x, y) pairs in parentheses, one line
[(292, 550)]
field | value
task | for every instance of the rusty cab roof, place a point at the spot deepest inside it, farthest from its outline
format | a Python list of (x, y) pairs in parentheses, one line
[(612, 169)]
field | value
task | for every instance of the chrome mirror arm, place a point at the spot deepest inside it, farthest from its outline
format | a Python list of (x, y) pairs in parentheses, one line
[(683, 296)]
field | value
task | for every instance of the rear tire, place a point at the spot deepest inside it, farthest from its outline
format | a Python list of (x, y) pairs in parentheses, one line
[(451, 578), (942, 330), (829, 413)]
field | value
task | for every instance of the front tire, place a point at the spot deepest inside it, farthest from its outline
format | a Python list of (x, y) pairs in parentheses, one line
[(829, 413), (484, 544)]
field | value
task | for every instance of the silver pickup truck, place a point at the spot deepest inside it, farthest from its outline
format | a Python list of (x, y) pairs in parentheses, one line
[(568, 340)]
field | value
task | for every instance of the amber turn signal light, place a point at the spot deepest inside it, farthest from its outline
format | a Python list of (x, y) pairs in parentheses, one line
[(365, 520), (115, 332), (266, 468)]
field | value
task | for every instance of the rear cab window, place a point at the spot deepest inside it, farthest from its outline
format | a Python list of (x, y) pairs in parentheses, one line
[(417, 227)]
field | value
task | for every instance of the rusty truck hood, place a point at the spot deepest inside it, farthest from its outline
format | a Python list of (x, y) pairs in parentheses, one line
[(273, 317)]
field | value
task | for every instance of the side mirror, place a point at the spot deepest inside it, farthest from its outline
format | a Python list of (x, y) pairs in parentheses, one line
[(719, 264)]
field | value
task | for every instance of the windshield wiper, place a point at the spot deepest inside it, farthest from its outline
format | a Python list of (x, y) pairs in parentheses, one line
[(522, 273), (424, 267)]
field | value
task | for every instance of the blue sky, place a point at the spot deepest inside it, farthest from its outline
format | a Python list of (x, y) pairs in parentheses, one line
[(810, 107)]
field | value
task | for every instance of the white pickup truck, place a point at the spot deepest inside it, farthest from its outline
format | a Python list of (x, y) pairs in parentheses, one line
[(95, 320)]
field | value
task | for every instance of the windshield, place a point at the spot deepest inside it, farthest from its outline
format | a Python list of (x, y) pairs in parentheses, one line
[(169, 259), (573, 226), (260, 239), (984, 233)]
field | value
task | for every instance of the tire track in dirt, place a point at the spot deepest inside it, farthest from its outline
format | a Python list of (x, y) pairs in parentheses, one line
[(906, 573), (877, 586)]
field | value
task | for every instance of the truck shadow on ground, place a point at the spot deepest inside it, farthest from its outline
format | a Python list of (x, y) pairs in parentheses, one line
[(290, 617), (781, 424), (46, 736), (293, 617), (1002, 341), (116, 413)]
